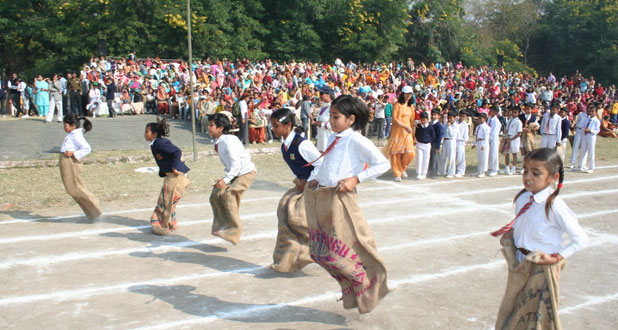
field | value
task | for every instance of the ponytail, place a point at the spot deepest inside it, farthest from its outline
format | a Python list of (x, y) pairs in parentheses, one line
[(160, 127), (73, 119), (550, 200)]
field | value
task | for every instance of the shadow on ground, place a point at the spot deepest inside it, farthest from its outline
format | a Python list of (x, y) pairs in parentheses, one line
[(182, 299)]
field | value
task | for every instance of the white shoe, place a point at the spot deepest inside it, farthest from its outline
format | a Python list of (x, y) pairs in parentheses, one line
[(404, 175), (270, 141), (589, 171), (25, 116), (583, 170), (449, 176), (572, 166), (481, 175), (397, 179), (492, 174), (459, 175)]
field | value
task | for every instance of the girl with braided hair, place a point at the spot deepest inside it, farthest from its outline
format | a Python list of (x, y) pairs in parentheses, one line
[(533, 245)]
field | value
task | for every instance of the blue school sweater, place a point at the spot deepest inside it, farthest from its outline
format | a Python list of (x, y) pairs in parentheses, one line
[(438, 130), (167, 156), (424, 135), (295, 160)]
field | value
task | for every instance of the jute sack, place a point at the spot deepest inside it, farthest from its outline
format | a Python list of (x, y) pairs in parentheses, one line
[(528, 139), (173, 189), (342, 243), (292, 246), (532, 292), (70, 172), (225, 204)]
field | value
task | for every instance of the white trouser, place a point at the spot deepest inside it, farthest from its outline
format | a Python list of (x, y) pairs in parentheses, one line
[(549, 141), (447, 158), (563, 148), (483, 157), (57, 105), (322, 138), (460, 157), (577, 143), (493, 162), (423, 150), (588, 145)]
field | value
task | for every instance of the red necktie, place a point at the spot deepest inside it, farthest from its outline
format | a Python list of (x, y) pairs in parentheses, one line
[(329, 149), (588, 124), (547, 125), (510, 224), (216, 148)]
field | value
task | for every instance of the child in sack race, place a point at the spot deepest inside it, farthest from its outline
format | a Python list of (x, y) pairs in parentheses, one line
[(239, 175), (173, 170), (292, 246), (341, 241), (532, 245)]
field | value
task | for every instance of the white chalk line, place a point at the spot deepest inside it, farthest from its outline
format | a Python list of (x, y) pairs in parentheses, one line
[(591, 301), (75, 256), (189, 223), (392, 184)]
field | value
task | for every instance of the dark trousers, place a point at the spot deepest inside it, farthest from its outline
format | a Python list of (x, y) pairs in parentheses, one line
[(65, 105), (15, 99), (2, 108), (379, 123), (83, 104), (243, 131), (76, 102), (112, 113), (434, 162)]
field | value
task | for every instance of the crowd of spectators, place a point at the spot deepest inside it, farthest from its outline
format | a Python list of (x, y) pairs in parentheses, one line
[(132, 86)]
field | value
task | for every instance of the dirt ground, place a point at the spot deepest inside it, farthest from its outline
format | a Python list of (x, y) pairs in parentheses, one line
[(60, 271)]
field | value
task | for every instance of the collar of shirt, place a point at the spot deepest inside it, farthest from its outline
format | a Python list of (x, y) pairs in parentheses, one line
[(542, 195), (289, 139), (153, 141), (220, 139), (345, 133)]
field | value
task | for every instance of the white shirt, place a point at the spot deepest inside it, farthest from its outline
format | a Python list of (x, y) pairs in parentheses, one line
[(234, 157), (348, 158), (482, 135), (324, 129), (581, 121), (308, 151), (244, 108), (534, 232), (594, 125), (513, 127), (76, 142), (463, 131), (450, 131), (495, 126), (554, 125)]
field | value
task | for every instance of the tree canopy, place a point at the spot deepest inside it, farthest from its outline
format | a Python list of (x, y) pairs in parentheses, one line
[(44, 36)]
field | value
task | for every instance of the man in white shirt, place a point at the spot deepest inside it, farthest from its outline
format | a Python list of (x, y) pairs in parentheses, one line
[(242, 120), (550, 128)]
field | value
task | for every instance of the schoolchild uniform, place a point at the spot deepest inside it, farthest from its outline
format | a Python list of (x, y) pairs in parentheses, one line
[(460, 154), (565, 127), (239, 175), (324, 129), (588, 145), (482, 142), (513, 127), (424, 134), (292, 246), (168, 157), (434, 157), (534, 231), (528, 142), (580, 124), (449, 149), (550, 128), (341, 240), (70, 172), (494, 144)]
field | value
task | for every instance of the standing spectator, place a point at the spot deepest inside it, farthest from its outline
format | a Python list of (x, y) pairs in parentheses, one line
[(42, 95), (110, 94), (22, 87), (2, 96), (322, 120), (85, 90), (388, 115), (55, 103), (379, 118), (400, 147), (74, 93), (14, 94), (305, 112), (243, 127)]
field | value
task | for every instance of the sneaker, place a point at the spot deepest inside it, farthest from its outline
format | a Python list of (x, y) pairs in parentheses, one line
[(481, 175), (25, 116), (420, 177), (572, 166), (397, 179), (450, 176), (459, 175), (404, 175), (270, 141), (589, 171), (3, 116), (492, 174)]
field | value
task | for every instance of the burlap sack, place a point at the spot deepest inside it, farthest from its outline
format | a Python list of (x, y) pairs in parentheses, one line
[(342, 243), (70, 170), (173, 189), (528, 139), (225, 204), (292, 246), (505, 146), (532, 293)]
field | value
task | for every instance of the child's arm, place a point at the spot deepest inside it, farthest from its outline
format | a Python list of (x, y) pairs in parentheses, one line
[(375, 160), (82, 147)]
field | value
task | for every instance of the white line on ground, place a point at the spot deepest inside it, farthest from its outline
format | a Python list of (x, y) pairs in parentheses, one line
[(591, 301), (392, 184)]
